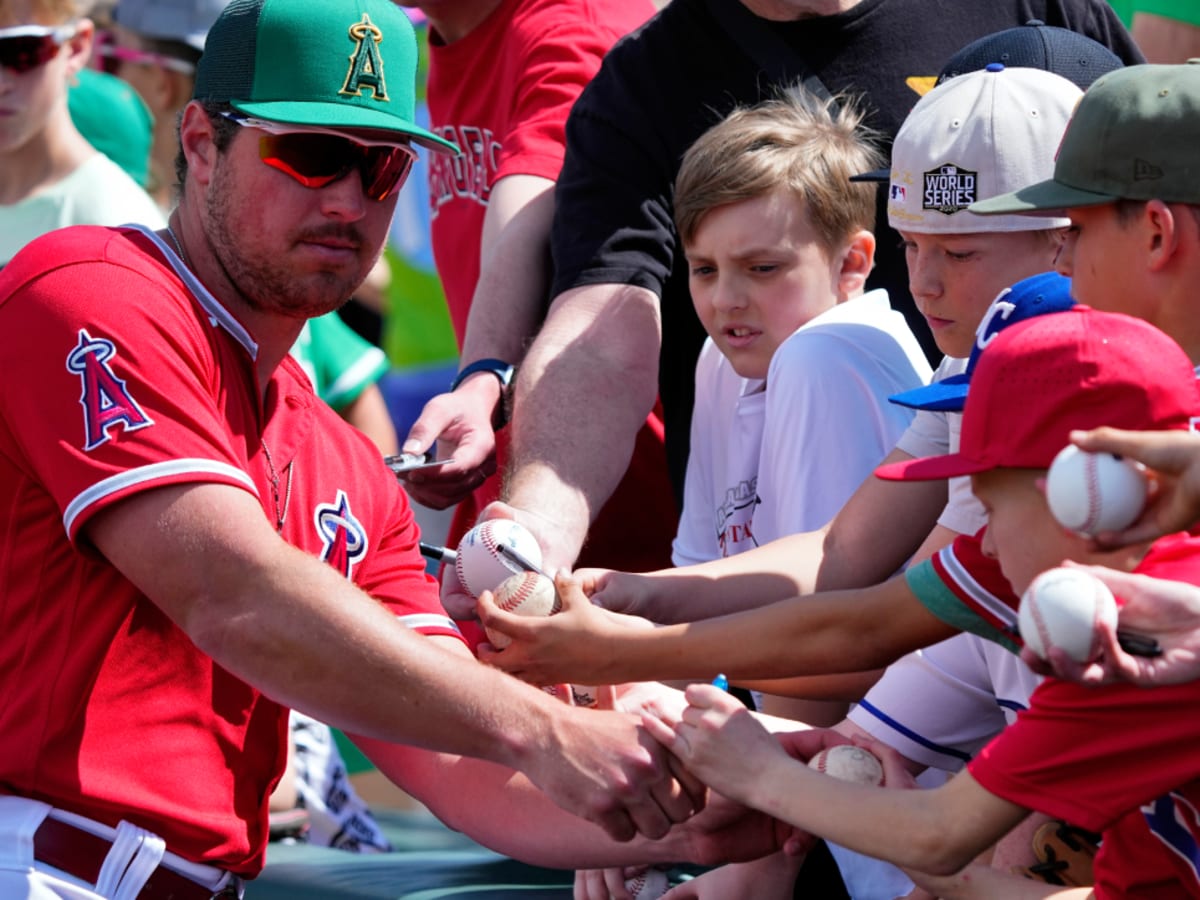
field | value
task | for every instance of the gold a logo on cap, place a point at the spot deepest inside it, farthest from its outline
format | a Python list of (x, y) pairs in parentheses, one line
[(366, 65)]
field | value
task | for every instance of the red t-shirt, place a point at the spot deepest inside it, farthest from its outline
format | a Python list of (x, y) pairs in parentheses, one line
[(1116, 759), (121, 380), (502, 94)]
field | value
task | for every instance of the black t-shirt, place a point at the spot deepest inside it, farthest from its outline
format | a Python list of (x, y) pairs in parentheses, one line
[(664, 85)]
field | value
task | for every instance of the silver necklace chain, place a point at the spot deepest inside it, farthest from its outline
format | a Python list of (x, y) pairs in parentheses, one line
[(178, 246), (280, 511)]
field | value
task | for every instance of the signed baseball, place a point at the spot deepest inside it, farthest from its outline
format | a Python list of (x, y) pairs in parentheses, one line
[(480, 566), (849, 763), (1090, 493), (1061, 608), (524, 594)]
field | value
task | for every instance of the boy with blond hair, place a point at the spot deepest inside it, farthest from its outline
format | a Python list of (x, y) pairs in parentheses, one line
[(50, 176), (792, 383)]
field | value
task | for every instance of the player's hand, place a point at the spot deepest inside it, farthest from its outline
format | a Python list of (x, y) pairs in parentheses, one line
[(456, 600), (1168, 611), (603, 766), (461, 424), (1174, 460), (575, 645)]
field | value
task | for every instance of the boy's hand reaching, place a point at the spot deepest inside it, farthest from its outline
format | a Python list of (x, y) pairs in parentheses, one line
[(572, 646)]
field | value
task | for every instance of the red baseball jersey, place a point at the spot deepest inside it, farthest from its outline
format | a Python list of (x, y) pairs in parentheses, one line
[(123, 374), (1117, 759)]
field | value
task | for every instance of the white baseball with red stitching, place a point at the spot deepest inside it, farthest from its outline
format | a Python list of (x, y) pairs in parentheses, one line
[(1063, 608), (1090, 493), (648, 885), (479, 564), (849, 763), (524, 594)]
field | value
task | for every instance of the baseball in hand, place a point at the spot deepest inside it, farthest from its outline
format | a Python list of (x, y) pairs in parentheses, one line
[(524, 594), (648, 885), (1062, 608), (480, 566), (1090, 493), (849, 763)]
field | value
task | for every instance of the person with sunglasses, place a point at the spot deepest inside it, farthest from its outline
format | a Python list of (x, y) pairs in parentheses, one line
[(50, 176), (192, 543), (154, 45)]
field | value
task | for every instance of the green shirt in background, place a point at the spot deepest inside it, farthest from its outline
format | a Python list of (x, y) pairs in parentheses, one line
[(340, 364)]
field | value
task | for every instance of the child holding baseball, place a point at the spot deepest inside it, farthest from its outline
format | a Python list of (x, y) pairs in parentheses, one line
[(1116, 759)]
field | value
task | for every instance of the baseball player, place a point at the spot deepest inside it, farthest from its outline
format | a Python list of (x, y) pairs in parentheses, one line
[(192, 543)]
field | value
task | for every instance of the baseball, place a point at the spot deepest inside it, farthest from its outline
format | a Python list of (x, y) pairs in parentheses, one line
[(1061, 608), (480, 566), (648, 885), (849, 763), (1094, 492), (524, 594)]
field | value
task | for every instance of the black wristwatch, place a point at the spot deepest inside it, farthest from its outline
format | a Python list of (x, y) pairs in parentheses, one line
[(498, 367)]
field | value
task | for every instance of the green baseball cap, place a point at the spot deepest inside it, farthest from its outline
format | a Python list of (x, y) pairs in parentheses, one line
[(348, 64), (1134, 136)]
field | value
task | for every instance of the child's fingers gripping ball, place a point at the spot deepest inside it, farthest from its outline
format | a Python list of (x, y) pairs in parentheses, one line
[(524, 594), (481, 566), (849, 763), (1091, 493), (1062, 608)]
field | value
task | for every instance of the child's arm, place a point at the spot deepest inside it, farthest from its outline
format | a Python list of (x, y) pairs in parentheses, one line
[(844, 631), (937, 831)]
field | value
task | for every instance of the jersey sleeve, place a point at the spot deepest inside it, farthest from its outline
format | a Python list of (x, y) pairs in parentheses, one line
[(965, 588), (126, 389)]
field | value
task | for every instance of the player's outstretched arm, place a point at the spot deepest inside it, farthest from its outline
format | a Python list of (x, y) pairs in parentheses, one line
[(208, 558), (1174, 457), (819, 634), (1168, 611), (937, 831)]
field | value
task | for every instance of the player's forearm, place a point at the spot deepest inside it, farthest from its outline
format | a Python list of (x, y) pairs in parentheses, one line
[(582, 394)]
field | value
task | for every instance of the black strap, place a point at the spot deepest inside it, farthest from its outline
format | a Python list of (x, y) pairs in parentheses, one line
[(761, 43)]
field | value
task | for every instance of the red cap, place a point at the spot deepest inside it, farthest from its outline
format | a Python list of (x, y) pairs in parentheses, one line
[(1041, 379)]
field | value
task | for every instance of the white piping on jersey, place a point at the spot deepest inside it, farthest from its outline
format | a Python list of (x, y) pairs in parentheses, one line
[(981, 595), (218, 314), (152, 472), (428, 620)]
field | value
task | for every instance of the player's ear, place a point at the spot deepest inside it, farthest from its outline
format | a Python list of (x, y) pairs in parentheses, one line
[(857, 260), (197, 138), (1163, 225)]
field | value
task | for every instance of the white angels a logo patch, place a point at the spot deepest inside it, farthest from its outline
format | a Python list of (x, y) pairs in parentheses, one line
[(949, 189)]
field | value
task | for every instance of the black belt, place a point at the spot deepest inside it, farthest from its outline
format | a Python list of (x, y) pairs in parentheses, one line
[(82, 854)]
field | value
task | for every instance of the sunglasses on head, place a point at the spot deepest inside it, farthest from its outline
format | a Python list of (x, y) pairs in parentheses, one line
[(25, 47), (318, 157), (107, 56)]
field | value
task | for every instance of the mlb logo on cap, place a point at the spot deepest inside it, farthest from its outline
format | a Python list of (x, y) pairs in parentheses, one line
[(1036, 296)]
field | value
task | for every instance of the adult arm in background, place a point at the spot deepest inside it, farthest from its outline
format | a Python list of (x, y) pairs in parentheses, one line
[(585, 388), (368, 413), (206, 555), (883, 525), (506, 308)]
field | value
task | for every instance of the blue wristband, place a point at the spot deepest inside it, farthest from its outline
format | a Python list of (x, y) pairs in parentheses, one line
[(498, 367)]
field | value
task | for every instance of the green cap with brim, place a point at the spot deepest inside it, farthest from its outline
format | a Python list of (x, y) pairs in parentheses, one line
[(350, 64), (1134, 136)]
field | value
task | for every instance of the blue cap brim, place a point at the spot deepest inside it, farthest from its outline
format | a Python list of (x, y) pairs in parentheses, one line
[(947, 395)]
